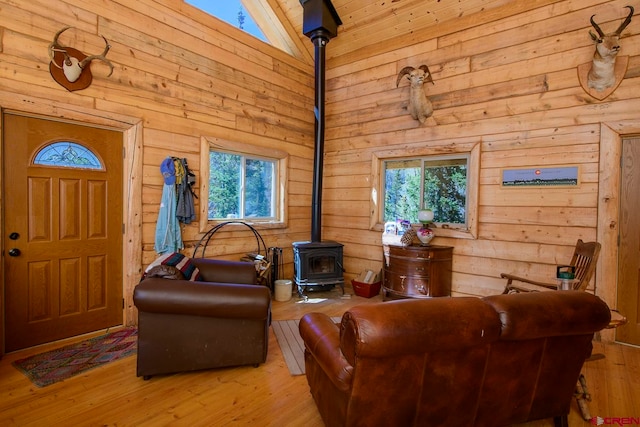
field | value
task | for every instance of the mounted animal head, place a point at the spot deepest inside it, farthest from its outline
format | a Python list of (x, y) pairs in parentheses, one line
[(607, 44), (417, 76), (70, 67), (601, 75), (419, 107)]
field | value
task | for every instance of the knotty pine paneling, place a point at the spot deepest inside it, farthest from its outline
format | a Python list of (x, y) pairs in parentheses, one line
[(507, 78), (181, 74), (504, 75)]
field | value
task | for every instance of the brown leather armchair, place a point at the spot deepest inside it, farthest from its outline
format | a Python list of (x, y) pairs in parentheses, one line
[(220, 321), (494, 361)]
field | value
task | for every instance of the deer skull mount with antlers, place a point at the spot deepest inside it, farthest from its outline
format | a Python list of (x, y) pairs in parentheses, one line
[(71, 68), (605, 72), (420, 107)]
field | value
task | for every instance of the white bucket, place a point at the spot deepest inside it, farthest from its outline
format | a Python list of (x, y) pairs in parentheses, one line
[(283, 290)]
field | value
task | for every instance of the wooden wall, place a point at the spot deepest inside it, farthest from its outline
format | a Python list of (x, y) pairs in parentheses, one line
[(507, 78), (179, 75)]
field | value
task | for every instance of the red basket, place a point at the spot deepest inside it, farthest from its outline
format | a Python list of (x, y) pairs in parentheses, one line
[(366, 290)]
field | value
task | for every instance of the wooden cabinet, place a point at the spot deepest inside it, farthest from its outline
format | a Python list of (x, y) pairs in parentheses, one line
[(417, 272)]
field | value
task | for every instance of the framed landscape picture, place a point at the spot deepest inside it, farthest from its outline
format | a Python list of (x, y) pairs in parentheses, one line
[(541, 177)]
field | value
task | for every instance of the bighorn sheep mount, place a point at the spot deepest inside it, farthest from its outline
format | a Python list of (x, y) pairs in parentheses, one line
[(605, 72), (420, 107), (69, 67)]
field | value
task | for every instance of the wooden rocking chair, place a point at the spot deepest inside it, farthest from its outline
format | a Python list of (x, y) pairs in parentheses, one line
[(584, 260)]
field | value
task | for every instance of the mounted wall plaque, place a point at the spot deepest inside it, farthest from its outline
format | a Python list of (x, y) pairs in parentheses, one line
[(541, 177)]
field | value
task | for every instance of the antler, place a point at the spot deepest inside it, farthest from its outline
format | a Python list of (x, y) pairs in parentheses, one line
[(620, 28), (54, 46), (593, 23), (626, 21), (101, 57), (403, 72)]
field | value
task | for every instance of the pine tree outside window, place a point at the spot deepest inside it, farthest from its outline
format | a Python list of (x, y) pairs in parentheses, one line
[(241, 187), (443, 177), (243, 182), (437, 183)]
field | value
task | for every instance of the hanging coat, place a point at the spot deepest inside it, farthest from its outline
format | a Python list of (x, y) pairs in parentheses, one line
[(168, 235), (186, 211)]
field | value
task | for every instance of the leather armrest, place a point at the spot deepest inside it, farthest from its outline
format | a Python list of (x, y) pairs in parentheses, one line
[(226, 271), (512, 278), (223, 300), (322, 339)]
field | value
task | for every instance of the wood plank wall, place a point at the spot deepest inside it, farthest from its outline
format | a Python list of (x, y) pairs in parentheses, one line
[(182, 75), (507, 78)]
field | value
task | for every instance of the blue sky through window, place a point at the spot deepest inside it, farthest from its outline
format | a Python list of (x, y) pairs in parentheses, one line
[(227, 10)]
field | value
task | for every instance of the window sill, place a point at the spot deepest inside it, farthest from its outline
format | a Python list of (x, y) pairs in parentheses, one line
[(258, 225)]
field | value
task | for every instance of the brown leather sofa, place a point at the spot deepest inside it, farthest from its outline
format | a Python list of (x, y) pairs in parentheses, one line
[(463, 361), (220, 321)]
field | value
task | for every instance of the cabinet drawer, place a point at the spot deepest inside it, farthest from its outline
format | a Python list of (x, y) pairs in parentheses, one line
[(407, 284), (418, 272)]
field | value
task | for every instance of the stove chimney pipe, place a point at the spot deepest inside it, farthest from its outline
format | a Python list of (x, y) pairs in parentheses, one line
[(320, 24)]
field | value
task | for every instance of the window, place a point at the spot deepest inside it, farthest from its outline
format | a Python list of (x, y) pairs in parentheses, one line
[(438, 183), (247, 185), (232, 12), (257, 18), (446, 183), (67, 154), (241, 187)]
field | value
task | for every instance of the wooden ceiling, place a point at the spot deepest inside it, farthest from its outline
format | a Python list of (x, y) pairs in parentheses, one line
[(370, 25)]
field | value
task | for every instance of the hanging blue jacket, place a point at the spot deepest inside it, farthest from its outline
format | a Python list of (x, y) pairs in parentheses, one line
[(168, 235)]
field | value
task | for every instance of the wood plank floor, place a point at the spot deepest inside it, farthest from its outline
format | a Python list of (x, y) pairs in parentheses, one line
[(265, 396)]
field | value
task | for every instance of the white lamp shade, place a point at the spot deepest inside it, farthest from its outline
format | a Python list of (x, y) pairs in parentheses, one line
[(425, 215)]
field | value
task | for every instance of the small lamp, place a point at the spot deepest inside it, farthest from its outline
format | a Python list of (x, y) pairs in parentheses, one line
[(425, 234)]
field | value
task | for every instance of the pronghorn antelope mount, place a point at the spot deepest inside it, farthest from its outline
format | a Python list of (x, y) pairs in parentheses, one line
[(602, 75)]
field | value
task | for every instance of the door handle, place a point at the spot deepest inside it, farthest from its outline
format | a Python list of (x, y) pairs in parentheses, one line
[(14, 252)]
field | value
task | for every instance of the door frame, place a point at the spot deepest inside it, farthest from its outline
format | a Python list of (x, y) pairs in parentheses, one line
[(608, 228), (131, 129)]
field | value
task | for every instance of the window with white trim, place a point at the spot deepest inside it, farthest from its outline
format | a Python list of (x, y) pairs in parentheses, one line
[(241, 186), (446, 183), (438, 183), (244, 182)]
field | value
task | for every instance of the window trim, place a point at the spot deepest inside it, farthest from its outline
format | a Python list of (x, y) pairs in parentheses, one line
[(472, 149), (247, 149)]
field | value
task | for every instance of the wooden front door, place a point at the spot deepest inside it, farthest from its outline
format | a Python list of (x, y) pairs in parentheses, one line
[(629, 251), (62, 230)]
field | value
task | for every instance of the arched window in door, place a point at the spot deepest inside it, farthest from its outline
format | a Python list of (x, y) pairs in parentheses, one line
[(67, 154)]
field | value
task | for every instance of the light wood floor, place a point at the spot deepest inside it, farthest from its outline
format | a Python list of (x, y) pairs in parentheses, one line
[(265, 396)]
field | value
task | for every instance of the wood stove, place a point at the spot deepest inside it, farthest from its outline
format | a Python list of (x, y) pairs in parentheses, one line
[(317, 266)]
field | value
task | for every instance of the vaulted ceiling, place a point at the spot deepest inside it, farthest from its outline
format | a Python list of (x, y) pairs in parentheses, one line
[(370, 26)]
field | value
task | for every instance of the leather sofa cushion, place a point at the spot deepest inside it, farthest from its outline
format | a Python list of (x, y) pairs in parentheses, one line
[(405, 327), (554, 315)]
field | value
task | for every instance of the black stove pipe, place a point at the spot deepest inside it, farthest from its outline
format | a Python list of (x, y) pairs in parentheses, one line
[(319, 38), (320, 23)]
